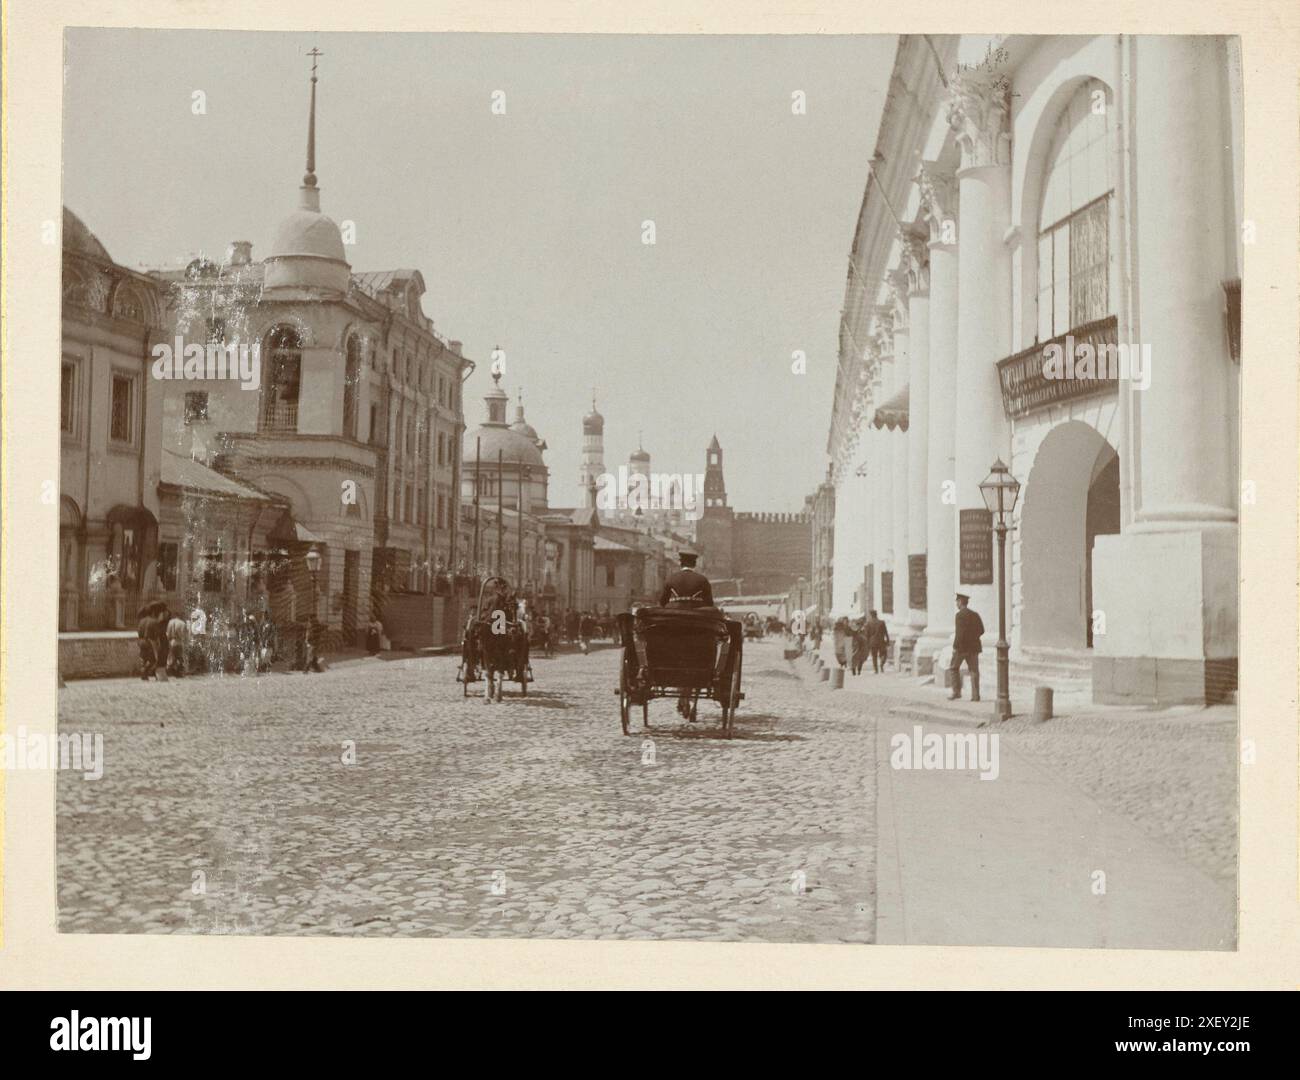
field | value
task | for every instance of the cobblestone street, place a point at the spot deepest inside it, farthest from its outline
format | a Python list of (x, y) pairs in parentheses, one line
[(226, 807)]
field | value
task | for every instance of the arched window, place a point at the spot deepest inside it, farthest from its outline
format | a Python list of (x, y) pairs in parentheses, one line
[(283, 381), (74, 287), (128, 304), (1074, 218), (351, 386)]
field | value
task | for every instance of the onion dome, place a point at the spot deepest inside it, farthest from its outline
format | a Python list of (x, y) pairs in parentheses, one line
[(593, 423)]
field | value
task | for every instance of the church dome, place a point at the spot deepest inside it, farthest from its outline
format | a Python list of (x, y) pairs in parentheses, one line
[(307, 252), (78, 238), (523, 427), (515, 444), (310, 234), (489, 439), (593, 423), (639, 454)]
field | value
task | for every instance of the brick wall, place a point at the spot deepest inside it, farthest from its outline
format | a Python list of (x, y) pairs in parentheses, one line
[(770, 552), (99, 655)]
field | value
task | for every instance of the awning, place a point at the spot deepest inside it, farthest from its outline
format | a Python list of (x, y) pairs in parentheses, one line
[(893, 413), (305, 535)]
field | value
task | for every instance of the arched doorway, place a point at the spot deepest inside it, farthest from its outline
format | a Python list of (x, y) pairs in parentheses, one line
[(1071, 498)]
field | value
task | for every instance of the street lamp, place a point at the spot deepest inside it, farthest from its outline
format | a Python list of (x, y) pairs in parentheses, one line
[(312, 558), (1000, 490)]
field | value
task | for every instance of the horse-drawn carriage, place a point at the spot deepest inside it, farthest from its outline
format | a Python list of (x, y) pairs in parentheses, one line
[(686, 653), (495, 645), (753, 626)]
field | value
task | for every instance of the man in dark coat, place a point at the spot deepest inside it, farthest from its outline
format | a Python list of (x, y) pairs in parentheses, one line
[(860, 649), (158, 634), (686, 587), (966, 646), (877, 634), (145, 632)]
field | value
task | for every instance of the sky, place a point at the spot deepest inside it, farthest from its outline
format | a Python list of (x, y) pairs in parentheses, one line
[(528, 227)]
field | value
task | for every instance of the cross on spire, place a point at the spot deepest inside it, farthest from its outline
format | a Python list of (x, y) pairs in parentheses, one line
[(309, 180)]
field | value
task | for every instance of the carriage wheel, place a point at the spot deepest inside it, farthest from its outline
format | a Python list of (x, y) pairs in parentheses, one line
[(729, 713), (695, 706), (624, 699)]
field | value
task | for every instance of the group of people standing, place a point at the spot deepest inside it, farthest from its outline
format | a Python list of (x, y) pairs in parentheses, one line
[(856, 640), (171, 647), (162, 642)]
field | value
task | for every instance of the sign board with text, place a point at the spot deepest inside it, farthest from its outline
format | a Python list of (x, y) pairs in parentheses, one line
[(976, 538)]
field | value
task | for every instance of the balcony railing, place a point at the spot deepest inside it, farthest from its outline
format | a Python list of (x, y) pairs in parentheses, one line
[(281, 416), (1026, 389)]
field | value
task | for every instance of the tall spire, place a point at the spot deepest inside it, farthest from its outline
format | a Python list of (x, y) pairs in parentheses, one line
[(310, 179)]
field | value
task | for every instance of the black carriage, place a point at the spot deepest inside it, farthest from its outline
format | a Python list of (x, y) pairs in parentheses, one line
[(753, 626), (471, 664), (686, 653)]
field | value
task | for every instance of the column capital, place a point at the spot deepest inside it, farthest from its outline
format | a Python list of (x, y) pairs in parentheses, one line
[(883, 331), (916, 258), (978, 113), (938, 189), (900, 287)]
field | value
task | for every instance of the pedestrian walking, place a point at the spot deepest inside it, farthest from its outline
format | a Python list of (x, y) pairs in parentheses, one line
[(158, 633), (266, 642), (860, 648), (176, 645), (145, 634), (969, 628), (311, 652), (877, 635)]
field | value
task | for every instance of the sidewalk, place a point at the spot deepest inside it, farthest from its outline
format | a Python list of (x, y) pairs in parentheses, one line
[(1014, 861)]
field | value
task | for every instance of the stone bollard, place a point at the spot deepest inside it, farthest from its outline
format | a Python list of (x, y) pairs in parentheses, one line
[(1042, 703), (837, 679), (824, 674)]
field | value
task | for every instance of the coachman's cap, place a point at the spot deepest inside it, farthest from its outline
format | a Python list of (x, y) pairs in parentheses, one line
[(688, 557), (963, 596)]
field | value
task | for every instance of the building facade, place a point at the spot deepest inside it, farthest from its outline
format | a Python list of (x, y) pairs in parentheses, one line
[(353, 417), (110, 413), (1046, 271)]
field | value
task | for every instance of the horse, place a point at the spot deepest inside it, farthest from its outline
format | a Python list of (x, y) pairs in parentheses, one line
[(495, 638)]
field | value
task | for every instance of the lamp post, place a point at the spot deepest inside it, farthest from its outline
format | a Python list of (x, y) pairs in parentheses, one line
[(1001, 490)]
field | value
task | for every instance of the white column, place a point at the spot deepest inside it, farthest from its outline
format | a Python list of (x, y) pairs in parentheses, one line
[(1167, 587), (898, 456), (882, 479), (978, 115), (939, 207), (918, 426)]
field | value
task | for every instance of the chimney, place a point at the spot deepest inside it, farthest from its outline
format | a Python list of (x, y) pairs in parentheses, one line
[(455, 347), (240, 253)]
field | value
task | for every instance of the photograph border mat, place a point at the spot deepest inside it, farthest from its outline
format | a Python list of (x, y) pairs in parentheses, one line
[(34, 955)]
